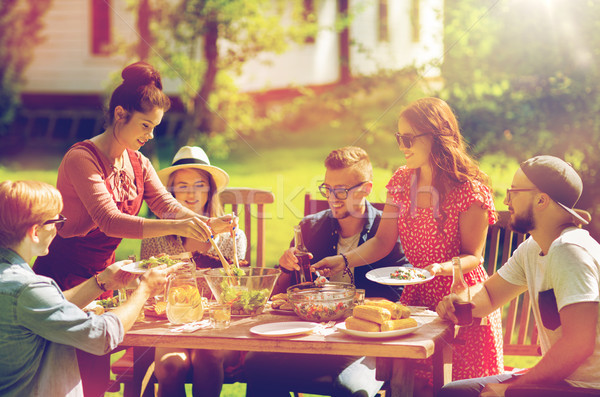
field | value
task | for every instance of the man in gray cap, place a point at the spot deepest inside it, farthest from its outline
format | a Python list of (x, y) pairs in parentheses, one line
[(560, 267)]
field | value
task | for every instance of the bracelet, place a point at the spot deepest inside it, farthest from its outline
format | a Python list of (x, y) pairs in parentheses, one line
[(101, 285), (347, 269)]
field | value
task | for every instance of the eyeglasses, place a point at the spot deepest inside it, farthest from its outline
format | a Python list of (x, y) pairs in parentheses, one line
[(510, 191), (58, 223), (407, 140), (340, 193)]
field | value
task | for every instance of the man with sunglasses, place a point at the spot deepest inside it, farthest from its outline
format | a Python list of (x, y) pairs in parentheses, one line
[(350, 221), (40, 325), (559, 264)]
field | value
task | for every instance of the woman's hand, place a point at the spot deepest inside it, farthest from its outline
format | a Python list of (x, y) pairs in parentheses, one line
[(114, 278), (435, 269), (329, 266), (193, 228), (289, 261), (225, 223), (155, 279)]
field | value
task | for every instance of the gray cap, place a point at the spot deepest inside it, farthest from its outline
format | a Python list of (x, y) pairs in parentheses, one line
[(558, 179)]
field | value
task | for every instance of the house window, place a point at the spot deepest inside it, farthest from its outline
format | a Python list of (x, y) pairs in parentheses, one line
[(100, 26), (308, 15), (383, 34), (414, 20)]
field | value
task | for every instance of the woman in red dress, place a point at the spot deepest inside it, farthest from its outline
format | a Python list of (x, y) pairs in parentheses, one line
[(103, 182), (440, 206)]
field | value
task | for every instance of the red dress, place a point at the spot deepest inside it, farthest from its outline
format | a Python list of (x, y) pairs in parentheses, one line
[(478, 348)]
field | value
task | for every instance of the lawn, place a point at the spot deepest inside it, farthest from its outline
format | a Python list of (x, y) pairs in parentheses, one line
[(289, 164)]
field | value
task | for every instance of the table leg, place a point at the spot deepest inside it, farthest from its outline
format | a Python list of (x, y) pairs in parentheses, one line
[(399, 372), (442, 366), (142, 358)]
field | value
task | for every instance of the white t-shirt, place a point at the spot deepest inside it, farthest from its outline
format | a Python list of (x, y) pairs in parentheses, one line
[(345, 245), (572, 269)]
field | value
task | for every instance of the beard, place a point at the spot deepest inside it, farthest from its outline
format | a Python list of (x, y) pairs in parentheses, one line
[(523, 223)]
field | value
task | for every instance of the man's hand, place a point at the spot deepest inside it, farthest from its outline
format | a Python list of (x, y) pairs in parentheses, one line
[(289, 261), (494, 390), (114, 278), (329, 266), (445, 309)]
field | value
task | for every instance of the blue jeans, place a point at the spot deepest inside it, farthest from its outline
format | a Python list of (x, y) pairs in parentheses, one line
[(276, 374), (472, 387)]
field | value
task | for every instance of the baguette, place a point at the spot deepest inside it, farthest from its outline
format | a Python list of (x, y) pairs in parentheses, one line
[(397, 310), (371, 313), (403, 323), (357, 324)]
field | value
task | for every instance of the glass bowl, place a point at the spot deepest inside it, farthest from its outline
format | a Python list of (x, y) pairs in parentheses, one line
[(247, 295), (330, 301)]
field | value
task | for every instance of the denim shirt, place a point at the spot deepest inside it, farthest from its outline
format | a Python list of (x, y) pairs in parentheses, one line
[(39, 331), (320, 235)]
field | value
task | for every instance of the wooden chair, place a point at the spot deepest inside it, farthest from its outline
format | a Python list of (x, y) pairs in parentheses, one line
[(232, 199), (520, 332)]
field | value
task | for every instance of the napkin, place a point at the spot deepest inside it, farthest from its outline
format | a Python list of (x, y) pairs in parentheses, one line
[(191, 327)]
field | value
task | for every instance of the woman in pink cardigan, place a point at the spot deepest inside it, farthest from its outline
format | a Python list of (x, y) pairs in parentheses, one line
[(103, 182)]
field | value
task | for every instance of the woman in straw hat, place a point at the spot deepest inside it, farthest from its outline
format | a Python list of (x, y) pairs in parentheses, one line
[(196, 185)]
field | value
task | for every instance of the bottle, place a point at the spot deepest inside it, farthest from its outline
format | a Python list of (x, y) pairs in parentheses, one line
[(304, 275), (462, 308)]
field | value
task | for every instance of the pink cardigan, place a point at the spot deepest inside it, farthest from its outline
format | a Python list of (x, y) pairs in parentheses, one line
[(88, 203)]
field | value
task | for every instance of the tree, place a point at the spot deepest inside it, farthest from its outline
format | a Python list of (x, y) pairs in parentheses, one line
[(204, 43), (20, 25), (523, 79)]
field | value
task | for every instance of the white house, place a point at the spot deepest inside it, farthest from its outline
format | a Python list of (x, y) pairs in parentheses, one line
[(389, 33)]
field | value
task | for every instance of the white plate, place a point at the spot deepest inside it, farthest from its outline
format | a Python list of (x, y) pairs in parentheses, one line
[(376, 335), (134, 267), (288, 328), (382, 276)]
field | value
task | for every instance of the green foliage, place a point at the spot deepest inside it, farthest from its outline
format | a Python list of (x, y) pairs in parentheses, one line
[(20, 24), (523, 79)]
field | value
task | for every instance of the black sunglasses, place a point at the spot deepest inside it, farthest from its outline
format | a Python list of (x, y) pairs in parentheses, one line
[(340, 193), (407, 140), (58, 223)]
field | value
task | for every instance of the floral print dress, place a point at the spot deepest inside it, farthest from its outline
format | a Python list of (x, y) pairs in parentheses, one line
[(477, 351)]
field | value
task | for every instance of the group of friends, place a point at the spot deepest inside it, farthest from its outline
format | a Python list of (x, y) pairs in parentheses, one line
[(438, 206)]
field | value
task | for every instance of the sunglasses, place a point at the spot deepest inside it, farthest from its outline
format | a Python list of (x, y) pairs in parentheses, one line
[(339, 193), (510, 191), (58, 223), (407, 140)]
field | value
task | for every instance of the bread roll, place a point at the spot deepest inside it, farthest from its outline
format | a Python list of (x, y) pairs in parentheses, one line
[(397, 310), (371, 313), (282, 296), (357, 324), (398, 324)]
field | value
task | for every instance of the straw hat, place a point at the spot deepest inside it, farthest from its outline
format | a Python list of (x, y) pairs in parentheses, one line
[(194, 157)]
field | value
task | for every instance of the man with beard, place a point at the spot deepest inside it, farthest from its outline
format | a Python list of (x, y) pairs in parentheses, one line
[(350, 221), (559, 264)]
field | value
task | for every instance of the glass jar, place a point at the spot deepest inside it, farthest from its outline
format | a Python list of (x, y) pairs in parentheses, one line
[(184, 304)]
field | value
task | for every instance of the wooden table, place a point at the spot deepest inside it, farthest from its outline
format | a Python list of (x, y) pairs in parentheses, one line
[(395, 356)]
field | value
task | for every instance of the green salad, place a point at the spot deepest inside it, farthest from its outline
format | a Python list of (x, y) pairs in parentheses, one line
[(154, 262), (243, 300)]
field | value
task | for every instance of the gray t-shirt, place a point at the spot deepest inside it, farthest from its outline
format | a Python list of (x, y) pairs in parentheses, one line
[(571, 269)]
